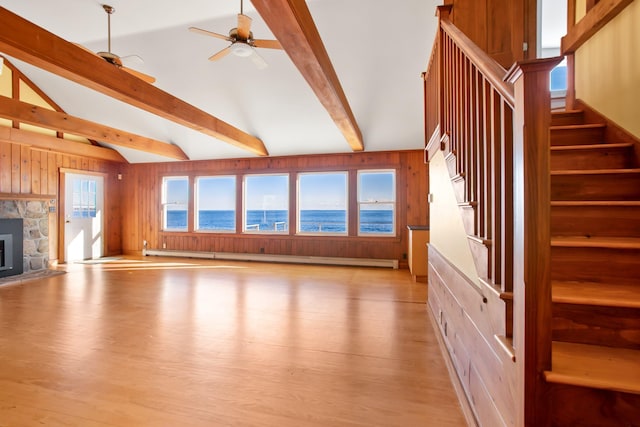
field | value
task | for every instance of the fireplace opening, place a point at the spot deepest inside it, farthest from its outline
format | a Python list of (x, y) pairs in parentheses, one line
[(6, 252), (11, 236)]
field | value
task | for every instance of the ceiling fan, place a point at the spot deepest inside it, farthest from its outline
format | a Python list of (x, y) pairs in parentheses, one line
[(116, 60), (242, 42)]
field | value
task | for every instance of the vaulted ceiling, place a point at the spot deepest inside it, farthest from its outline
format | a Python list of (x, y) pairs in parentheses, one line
[(347, 80)]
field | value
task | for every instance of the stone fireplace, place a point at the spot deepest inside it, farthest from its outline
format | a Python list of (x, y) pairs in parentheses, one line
[(30, 244)]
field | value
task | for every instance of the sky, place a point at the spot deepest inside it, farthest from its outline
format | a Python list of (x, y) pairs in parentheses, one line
[(217, 193), (322, 191)]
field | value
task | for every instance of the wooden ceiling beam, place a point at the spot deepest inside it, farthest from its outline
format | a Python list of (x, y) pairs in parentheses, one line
[(28, 42), (291, 23), (52, 144), (58, 121)]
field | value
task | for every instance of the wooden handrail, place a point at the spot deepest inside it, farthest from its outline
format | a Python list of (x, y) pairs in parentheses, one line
[(431, 95), (598, 15), (491, 70), (596, 18)]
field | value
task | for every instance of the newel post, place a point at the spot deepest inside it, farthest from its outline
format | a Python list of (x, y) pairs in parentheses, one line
[(532, 234)]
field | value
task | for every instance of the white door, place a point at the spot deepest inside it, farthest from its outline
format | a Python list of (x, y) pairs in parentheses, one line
[(84, 200)]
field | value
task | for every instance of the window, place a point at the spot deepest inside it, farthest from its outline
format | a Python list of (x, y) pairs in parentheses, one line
[(175, 197), (84, 198), (216, 203), (266, 203), (322, 203), (558, 77), (376, 202), (552, 26)]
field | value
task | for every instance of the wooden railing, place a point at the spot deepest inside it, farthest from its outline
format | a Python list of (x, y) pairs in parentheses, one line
[(476, 124), (432, 101), (477, 120), (494, 133)]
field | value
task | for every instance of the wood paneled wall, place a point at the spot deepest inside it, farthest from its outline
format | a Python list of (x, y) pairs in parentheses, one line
[(469, 321), (29, 173), (142, 206), (499, 27)]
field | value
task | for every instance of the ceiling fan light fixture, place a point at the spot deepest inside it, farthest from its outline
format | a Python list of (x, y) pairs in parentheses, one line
[(241, 49)]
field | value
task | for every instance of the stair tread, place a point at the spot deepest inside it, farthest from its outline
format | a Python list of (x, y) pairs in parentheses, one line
[(596, 242), (603, 146), (562, 112), (624, 295), (606, 368), (579, 126), (599, 203), (596, 171)]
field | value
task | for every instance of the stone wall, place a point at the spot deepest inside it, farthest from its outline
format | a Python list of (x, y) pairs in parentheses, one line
[(35, 215)]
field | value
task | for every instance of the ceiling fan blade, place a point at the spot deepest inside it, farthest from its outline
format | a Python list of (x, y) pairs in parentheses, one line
[(85, 48), (147, 78), (258, 60), (209, 33), (224, 52), (269, 44), (244, 26)]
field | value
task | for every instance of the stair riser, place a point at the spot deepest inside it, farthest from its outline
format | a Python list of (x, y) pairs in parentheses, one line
[(596, 325), (599, 265), (613, 186), (577, 136), (595, 221), (567, 119), (590, 159), (586, 407)]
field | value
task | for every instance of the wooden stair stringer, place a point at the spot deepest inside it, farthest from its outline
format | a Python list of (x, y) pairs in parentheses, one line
[(468, 209)]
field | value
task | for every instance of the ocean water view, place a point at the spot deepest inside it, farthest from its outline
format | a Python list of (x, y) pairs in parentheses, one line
[(311, 221)]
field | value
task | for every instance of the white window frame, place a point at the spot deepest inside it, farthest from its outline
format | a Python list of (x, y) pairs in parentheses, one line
[(360, 203), (197, 203), (299, 224), (165, 204), (249, 228)]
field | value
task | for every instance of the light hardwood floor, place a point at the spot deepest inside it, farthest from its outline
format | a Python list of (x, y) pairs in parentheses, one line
[(179, 342)]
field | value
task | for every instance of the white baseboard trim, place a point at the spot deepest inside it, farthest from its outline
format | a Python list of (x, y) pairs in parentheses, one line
[(294, 259)]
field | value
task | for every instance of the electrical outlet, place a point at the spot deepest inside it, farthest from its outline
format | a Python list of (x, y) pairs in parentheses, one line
[(164, 245)]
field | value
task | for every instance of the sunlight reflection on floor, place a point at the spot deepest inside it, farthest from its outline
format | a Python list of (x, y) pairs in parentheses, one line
[(116, 264)]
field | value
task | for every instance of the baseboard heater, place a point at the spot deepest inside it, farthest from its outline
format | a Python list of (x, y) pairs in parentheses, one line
[(294, 259)]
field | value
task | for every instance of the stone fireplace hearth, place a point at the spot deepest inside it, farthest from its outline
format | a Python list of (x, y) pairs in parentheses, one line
[(35, 216)]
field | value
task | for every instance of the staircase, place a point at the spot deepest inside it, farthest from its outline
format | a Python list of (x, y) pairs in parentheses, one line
[(595, 273)]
